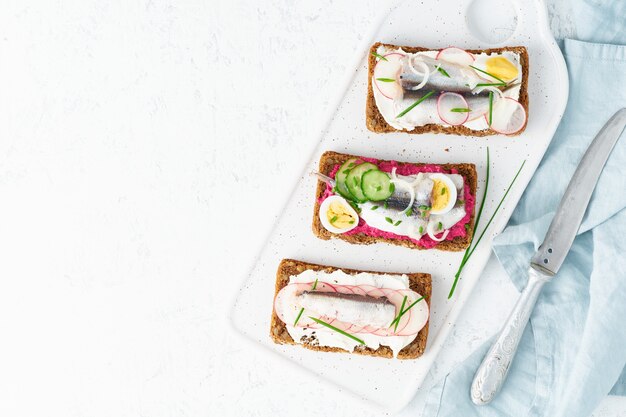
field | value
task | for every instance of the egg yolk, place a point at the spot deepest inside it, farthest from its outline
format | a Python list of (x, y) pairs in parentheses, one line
[(339, 216), (441, 195), (501, 68)]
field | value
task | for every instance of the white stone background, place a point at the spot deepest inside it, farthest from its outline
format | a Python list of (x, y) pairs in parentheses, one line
[(144, 145)]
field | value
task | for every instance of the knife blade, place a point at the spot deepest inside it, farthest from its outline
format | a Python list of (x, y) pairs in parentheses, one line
[(548, 259), (569, 215)]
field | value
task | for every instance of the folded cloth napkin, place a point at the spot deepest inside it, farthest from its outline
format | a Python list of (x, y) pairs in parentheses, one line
[(574, 351)]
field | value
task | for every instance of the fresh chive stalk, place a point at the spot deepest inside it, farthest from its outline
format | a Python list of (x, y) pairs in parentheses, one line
[(379, 56), (470, 250), (460, 110), (395, 329), (314, 285), (490, 107), (386, 80), (491, 75), (412, 106), (330, 326), (402, 312), (443, 72), (299, 315)]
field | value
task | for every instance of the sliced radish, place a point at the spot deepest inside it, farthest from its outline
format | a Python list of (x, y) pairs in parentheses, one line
[(507, 117), (389, 69), (419, 314), (449, 101), (455, 56)]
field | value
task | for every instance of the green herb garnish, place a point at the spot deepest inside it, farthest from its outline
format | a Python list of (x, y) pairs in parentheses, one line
[(421, 230), (422, 207), (314, 285), (346, 171), (491, 84), (491, 75), (402, 312), (333, 220), (379, 187), (439, 226), (443, 72), (391, 188), (386, 205), (374, 207), (490, 107), (470, 250), (379, 56), (460, 110), (351, 222), (409, 212), (299, 315), (443, 190), (412, 106), (330, 326), (389, 220), (386, 80), (395, 329), (397, 223)]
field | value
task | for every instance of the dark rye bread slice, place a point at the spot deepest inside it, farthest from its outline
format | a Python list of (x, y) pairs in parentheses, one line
[(376, 123), (418, 282), (328, 161)]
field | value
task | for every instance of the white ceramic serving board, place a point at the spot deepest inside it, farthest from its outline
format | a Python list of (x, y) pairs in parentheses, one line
[(392, 383)]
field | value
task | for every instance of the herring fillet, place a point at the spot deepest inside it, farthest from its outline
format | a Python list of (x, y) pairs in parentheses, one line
[(350, 308)]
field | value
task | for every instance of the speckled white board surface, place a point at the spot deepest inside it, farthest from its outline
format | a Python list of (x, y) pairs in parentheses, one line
[(346, 132)]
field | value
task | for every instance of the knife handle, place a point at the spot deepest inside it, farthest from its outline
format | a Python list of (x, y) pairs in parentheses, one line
[(493, 370)]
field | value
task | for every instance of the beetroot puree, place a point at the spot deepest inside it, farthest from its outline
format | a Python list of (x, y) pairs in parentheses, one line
[(410, 169)]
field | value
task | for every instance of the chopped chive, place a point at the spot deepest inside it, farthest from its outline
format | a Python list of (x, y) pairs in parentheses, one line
[(402, 312), (299, 315), (386, 205), (490, 107), (395, 319), (439, 226), (409, 212), (379, 56), (422, 207), (421, 230), (491, 75), (412, 106), (314, 285), (460, 110), (386, 80), (397, 223), (461, 201), (330, 326), (502, 84), (374, 208), (391, 188), (443, 71), (443, 190), (389, 220), (351, 222), (333, 220)]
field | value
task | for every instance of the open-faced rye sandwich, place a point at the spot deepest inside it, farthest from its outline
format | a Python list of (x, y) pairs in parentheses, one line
[(454, 91), (344, 310), (420, 206)]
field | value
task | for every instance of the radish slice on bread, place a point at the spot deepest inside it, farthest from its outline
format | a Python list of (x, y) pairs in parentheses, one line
[(386, 70), (455, 55), (288, 307), (452, 108), (508, 116)]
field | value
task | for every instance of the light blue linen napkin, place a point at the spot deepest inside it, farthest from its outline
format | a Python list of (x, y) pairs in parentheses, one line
[(574, 351)]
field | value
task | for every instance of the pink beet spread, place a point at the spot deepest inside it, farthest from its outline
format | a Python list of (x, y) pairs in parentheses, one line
[(410, 169)]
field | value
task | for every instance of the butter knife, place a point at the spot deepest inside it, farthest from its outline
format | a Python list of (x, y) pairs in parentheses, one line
[(546, 262)]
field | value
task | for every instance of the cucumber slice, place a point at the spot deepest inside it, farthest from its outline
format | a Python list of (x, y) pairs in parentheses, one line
[(353, 180), (340, 178), (376, 185)]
